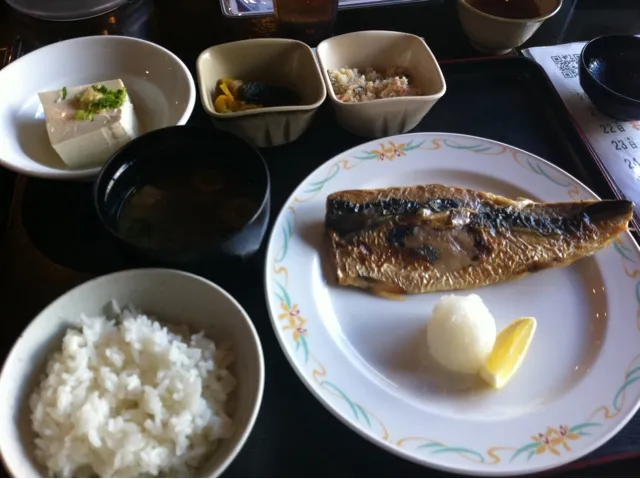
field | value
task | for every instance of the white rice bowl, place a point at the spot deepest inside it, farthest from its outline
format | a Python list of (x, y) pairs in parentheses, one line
[(125, 397), (131, 398)]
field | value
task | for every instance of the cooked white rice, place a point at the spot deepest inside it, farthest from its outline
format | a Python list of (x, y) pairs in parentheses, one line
[(126, 397), (352, 86)]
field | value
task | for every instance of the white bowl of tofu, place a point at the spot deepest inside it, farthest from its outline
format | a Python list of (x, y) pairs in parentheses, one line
[(69, 106)]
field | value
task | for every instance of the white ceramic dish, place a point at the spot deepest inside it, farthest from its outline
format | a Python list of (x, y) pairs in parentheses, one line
[(381, 50), (172, 296), (158, 82), (359, 354)]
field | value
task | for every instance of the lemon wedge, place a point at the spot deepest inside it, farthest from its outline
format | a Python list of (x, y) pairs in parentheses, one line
[(511, 346)]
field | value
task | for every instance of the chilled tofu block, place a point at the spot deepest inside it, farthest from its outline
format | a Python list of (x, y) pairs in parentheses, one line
[(88, 123)]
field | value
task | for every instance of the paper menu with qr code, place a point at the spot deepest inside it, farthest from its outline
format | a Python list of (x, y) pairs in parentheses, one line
[(616, 143)]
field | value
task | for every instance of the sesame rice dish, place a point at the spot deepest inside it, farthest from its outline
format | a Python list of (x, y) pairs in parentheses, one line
[(350, 85), (126, 396)]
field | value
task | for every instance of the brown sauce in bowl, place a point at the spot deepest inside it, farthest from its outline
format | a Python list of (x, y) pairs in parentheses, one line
[(515, 9), (187, 210)]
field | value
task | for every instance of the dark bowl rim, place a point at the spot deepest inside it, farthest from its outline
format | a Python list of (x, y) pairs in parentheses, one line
[(584, 65), (101, 178)]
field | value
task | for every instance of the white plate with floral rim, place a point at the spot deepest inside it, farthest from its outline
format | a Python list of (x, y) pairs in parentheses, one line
[(360, 354)]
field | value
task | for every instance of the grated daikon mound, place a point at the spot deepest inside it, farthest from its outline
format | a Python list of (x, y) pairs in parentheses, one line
[(461, 333)]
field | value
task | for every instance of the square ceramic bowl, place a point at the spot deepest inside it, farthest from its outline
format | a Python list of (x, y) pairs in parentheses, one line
[(275, 61), (380, 50)]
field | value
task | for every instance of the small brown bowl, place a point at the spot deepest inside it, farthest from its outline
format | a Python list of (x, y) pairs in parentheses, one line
[(498, 35)]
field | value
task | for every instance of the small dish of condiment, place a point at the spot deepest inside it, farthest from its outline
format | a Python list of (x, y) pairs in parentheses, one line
[(379, 82), (498, 26), (182, 196), (265, 90)]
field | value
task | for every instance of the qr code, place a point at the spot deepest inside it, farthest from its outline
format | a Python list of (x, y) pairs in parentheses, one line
[(567, 64)]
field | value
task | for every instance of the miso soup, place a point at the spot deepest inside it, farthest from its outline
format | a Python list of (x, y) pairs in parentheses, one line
[(186, 210)]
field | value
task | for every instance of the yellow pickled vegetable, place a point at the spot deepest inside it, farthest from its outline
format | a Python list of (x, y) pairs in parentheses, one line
[(233, 95), (225, 90), (222, 104)]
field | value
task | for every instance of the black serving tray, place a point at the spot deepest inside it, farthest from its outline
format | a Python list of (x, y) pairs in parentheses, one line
[(54, 242)]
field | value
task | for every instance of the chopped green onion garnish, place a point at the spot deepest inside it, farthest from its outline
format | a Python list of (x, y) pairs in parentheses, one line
[(99, 99), (84, 115)]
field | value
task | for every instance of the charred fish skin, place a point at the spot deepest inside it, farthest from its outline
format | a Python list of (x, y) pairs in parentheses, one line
[(439, 238)]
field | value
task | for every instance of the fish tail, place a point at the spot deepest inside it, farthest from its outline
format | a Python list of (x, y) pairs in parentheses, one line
[(612, 210)]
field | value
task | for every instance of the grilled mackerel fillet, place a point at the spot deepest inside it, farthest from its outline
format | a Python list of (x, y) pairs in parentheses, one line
[(436, 238)]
